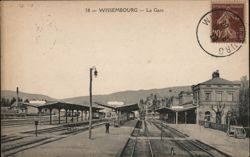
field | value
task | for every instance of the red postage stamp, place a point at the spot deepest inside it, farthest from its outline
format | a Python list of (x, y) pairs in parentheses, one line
[(228, 23)]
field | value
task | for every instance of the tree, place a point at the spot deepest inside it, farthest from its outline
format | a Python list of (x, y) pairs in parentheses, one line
[(244, 102), (3, 102), (13, 100), (20, 100), (219, 111), (7, 103)]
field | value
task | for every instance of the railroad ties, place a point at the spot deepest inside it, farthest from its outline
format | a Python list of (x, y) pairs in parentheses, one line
[(152, 138), (137, 146), (12, 144)]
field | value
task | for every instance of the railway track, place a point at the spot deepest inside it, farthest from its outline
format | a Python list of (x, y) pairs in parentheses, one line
[(136, 146), (175, 143), (12, 144), (199, 149), (31, 120), (192, 147), (27, 121), (67, 128), (168, 131)]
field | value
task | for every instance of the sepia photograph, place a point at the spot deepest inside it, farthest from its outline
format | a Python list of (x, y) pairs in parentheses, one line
[(106, 78)]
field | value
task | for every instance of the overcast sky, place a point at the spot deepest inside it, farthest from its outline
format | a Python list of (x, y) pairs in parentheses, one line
[(48, 48)]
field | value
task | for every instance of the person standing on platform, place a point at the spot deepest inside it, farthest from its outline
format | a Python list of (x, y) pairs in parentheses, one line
[(107, 127)]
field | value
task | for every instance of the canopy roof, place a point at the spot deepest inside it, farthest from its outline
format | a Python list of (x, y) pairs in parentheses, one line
[(66, 105), (167, 109), (124, 108), (128, 108)]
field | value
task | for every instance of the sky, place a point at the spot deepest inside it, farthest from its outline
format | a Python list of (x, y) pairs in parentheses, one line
[(49, 47)]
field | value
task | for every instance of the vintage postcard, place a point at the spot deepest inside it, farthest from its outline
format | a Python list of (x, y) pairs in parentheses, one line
[(125, 78)]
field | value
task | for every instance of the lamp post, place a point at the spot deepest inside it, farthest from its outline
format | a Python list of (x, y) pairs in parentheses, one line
[(17, 99), (229, 114), (161, 130), (200, 113), (185, 119), (90, 97)]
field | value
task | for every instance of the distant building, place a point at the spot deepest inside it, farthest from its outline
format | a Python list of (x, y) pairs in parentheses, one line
[(216, 99), (175, 101), (27, 107), (180, 109), (33, 104), (185, 97)]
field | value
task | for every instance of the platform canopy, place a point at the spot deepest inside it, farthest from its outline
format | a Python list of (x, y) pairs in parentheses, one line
[(67, 106), (123, 108), (177, 109)]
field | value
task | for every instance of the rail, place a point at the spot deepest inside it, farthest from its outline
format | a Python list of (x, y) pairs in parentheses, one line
[(147, 134), (184, 147), (133, 148)]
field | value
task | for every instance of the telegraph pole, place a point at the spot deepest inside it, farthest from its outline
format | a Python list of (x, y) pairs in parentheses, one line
[(161, 130), (90, 103), (90, 98), (185, 118), (17, 99)]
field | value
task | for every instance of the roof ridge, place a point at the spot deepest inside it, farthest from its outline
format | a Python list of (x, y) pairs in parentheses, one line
[(218, 80)]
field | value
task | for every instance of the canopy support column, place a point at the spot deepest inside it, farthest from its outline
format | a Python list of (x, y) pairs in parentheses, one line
[(59, 113), (50, 116), (77, 115), (72, 115), (66, 115), (176, 119), (82, 115)]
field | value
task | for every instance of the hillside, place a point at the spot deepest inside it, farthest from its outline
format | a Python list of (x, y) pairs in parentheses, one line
[(131, 96), (8, 94)]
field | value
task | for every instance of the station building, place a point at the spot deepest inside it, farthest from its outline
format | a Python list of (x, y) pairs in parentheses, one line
[(180, 109), (216, 99)]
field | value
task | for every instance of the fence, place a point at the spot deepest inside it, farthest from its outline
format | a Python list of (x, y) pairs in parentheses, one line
[(220, 127)]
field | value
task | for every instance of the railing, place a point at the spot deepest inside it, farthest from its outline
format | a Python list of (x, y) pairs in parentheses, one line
[(221, 127), (216, 126)]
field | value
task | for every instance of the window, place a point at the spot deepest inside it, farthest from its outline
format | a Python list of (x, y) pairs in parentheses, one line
[(230, 97), (218, 96), (207, 96)]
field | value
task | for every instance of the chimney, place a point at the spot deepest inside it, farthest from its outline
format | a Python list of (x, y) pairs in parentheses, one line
[(216, 74)]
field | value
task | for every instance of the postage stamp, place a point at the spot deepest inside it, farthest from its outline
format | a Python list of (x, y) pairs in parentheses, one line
[(221, 31), (226, 24)]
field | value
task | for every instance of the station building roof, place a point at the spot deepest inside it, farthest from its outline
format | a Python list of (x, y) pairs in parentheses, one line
[(123, 108), (67, 105), (181, 109), (217, 81)]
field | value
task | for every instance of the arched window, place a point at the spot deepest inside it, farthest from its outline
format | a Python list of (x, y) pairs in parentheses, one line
[(207, 116)]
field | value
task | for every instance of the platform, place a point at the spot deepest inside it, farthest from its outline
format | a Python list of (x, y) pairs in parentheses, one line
[(101, 144), (217, 139)]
